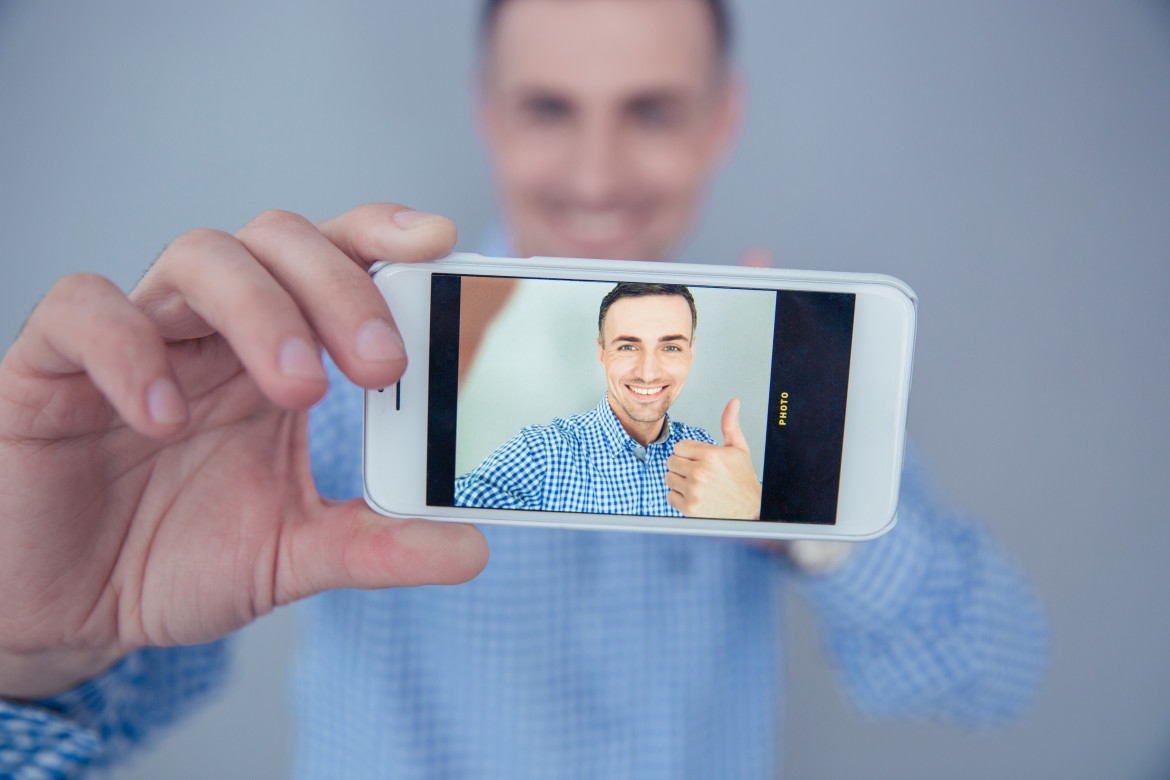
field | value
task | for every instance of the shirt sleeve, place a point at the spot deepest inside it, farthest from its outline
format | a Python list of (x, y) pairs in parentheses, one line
[(512, 477), (102, 720), (932, 619)]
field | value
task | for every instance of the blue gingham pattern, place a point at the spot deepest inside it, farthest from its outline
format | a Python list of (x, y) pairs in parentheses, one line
[(35, 744), (585, 463), (593, 655), (105, 718), (932, 620)]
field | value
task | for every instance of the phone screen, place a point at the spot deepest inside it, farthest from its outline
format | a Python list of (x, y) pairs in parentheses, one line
[(572, 395)]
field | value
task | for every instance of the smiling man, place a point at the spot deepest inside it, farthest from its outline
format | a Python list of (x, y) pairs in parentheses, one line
[(181, 411), (647, 353), (627, 456), (604, 121)]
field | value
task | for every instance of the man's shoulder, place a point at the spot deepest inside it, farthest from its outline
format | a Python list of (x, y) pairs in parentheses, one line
[(559, 430), (571, 429)]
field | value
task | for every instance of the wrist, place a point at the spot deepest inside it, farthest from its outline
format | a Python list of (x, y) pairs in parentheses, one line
[(30, 677)]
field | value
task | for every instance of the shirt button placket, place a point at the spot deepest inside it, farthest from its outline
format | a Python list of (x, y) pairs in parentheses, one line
[(639, 453)]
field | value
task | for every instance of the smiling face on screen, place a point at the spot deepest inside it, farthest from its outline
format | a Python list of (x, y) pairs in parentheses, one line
[(646, 346)]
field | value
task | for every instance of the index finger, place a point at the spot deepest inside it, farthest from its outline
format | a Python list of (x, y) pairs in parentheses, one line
[(690, 449), (323, 268)]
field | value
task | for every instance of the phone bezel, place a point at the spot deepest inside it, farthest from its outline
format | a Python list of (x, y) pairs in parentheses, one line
[(395, 424)]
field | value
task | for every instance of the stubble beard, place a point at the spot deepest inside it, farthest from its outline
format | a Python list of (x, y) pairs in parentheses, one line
[(645, 415)]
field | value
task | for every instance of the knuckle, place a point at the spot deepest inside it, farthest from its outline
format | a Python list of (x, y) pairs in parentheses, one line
[(196, 241), (77, 288), (94, 312), (185, 256), (89, 307), (278, 219)]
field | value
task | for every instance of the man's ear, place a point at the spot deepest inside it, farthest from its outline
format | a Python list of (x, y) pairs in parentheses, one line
[(600, 352)]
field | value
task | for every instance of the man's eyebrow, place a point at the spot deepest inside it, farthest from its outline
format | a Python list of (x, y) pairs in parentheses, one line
[(535, 93), (658, 95), (661, 339)]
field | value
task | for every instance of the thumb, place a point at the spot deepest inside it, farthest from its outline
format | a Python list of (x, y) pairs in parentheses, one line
[(732, 434), (350, 546)]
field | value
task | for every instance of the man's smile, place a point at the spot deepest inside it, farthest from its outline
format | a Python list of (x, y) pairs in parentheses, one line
[(647, 393), (597, 230)]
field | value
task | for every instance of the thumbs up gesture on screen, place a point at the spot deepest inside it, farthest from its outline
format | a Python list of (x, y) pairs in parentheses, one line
[(707, 480)]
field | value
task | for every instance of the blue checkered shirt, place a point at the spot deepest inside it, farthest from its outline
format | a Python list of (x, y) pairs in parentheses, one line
[(585, 463), (581, 654)]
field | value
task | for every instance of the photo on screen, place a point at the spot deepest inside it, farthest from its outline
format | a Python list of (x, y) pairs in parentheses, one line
[(522, 403)]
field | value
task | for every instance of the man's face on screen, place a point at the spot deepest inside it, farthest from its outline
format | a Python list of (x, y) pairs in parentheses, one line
[(604, 120), (646, 349)]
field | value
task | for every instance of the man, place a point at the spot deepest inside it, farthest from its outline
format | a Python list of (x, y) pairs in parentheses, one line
[(604, 121), (179, 414), (626, 456)]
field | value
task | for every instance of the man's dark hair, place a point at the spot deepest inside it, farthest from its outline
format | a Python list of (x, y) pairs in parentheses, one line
[(720, 20), (641, 290)]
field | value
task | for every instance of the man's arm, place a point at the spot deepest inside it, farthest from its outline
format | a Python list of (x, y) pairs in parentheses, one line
[(512, 477), (931, 619), (154, 477), (100, 721)]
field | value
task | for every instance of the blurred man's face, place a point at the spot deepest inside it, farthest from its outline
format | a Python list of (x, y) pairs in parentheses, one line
[(604, 120)]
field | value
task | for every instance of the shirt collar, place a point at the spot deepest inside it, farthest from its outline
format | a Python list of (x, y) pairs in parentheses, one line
[(616, 438)]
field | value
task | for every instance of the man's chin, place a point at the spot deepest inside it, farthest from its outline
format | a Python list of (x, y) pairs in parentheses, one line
[(594, 251), (561, 244), (645, 416)]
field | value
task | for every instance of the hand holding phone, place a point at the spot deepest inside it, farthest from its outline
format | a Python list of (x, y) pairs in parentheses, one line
[(154, 475)]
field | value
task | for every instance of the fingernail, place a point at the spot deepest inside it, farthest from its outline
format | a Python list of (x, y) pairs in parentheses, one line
[(164, 402), (409, 218), (377, 341), (300, 359)]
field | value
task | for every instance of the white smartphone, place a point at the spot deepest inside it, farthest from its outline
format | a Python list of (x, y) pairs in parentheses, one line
[(565, 393)]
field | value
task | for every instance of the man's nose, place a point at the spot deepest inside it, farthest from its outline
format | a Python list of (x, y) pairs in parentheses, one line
[(648, 365), (597, 164)]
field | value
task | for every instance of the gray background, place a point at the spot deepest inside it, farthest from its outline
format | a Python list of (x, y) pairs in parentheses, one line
[(1011, 160)]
